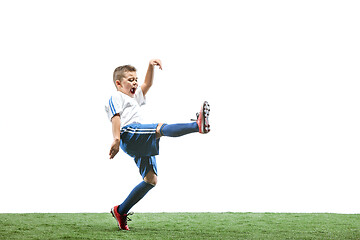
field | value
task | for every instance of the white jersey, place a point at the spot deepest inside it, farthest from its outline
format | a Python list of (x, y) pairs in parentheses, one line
[(126, 106)]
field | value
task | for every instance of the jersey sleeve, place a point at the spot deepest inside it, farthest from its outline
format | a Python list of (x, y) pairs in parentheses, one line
[(114, 106), (139, 96)]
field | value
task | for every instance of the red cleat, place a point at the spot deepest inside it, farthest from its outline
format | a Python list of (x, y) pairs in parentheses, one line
[(203, 118), (121, 219)]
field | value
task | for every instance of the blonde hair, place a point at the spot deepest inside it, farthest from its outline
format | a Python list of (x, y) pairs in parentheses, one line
[(119, 72)]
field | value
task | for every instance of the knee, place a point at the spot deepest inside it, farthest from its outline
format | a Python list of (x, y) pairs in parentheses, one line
[(151, 178), (158, 130), (151, 181)]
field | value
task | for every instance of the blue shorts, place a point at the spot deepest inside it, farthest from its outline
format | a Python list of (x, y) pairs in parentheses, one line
[(139, 141), (145, 164)]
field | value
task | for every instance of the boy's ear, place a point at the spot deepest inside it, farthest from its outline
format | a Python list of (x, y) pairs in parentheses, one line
[(118, 83)]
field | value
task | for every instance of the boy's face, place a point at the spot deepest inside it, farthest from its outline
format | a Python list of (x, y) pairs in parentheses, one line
[(128, 84)]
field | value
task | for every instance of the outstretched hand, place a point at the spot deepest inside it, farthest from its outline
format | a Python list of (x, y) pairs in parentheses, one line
[(156, 62)]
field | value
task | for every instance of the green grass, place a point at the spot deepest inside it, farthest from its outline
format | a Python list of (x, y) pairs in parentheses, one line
[(181, 226)]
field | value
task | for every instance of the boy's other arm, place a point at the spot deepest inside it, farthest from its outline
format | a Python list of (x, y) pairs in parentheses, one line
[(150, 75), (116, 133)]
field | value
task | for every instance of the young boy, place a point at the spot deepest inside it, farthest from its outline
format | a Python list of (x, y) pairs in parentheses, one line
[(141, 141)]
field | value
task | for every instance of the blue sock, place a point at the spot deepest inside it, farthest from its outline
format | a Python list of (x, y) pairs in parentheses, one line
[(135, 196), (177, 130)]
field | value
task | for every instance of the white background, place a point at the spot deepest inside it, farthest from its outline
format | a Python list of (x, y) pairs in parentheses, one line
[(282, 79)]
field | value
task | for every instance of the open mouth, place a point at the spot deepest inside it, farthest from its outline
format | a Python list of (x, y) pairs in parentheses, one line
[(132, 90)]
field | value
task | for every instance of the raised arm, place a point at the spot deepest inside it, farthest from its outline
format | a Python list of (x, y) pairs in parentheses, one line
[(116, 133), (150, 75)]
